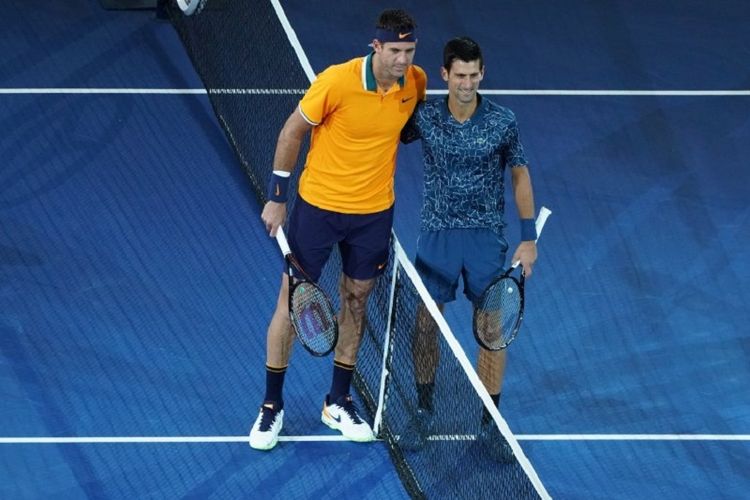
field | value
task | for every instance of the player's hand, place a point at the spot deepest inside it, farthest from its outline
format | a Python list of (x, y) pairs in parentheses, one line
[(526, 253), (273, 216)]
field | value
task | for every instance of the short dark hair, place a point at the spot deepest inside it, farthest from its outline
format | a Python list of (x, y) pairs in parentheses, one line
[(464, 49), (396, 20)]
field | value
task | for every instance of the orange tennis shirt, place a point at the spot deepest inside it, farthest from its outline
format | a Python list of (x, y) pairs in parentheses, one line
[(352, 157)]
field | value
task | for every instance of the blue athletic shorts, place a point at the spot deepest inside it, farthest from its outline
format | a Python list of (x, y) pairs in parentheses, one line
[(363, 239), (477, 255)]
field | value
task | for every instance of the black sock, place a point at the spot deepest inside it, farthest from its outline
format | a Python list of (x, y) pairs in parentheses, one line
[(424, 394), (274, 385), (342, 379), (486, 417)]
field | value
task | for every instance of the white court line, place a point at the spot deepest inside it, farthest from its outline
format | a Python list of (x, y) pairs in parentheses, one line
[(551, 92), (633, 437), (99, 91), (149, 91), (325, 438), (678, 93), (155, 439)]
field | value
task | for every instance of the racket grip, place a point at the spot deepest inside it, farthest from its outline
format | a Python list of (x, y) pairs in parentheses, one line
[(283, 243), (541, 219)]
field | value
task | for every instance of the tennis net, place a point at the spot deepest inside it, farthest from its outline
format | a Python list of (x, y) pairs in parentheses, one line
[(450, 459), (254, 77)]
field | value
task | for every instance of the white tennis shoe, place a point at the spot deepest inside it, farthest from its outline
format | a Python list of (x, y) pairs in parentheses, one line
[(265, 432), (342, 416)]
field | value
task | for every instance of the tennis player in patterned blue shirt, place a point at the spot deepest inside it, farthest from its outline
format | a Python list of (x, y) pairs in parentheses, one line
[(468, 143)]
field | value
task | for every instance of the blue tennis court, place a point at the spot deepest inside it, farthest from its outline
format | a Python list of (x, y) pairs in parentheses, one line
[(137, 281)]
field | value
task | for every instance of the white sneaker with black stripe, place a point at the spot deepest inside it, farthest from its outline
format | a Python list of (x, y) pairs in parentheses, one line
[(342, 416), (265, 432)]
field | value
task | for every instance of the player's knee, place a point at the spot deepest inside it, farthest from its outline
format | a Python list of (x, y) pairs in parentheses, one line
[(355, 293), (356, 303), (280, 320), (489, 333)]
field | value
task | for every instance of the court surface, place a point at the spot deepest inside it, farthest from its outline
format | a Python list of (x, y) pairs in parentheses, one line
[(136, 280)]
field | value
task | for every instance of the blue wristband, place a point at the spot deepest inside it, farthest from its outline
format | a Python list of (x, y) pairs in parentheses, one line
[(528, 230), (278, 188)]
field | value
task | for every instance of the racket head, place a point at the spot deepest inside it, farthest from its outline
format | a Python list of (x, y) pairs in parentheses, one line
[(311, 314), (190, 7), (499, 312)]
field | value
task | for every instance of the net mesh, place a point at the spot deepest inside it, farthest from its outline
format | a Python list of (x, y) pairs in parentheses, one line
[(254, 80), (456, 456), (252, 75)]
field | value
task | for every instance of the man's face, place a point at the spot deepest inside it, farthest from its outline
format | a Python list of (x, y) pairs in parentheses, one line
[(463, 80), (395, 57)]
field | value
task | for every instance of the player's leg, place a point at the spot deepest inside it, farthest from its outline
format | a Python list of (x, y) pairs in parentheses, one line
[(354, 294), (491, 371), (312, 248), (279, 340), (425, 352), (485, 260), (339, 411), (438, 262), (364, 256)]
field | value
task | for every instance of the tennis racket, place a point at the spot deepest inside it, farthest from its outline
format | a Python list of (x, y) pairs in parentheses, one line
[(190, 7), (310, 309), (499, 312)]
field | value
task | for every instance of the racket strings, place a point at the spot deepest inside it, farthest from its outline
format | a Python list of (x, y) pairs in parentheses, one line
[(498, 314), (313, 318)]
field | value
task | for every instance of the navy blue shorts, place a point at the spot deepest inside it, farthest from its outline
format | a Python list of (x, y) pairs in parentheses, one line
[(477, 255), (363, 239)]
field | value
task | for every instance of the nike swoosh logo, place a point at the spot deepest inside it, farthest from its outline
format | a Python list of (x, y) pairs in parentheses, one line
[(407, 99), (278, 190), (401, 36)]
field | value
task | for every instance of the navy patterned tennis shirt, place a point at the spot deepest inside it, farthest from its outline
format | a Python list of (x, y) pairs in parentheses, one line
[(464, 163)]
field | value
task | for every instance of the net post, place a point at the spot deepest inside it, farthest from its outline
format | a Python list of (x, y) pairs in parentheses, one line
[(386, 345)]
